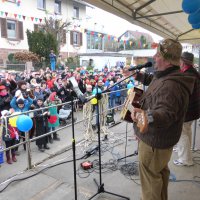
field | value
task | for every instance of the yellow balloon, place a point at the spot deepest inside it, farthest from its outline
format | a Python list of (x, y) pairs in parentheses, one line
[(13, 120), (94, 101)]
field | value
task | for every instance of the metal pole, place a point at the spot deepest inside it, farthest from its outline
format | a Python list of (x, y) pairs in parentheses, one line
[(28, 149), (194, 135), (74, 149)]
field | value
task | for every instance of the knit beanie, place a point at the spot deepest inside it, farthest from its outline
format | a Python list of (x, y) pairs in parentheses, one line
[(20, 101)]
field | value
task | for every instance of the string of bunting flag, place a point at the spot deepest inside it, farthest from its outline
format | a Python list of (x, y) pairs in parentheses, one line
[(102, 35), (20, 17), (137, 44)]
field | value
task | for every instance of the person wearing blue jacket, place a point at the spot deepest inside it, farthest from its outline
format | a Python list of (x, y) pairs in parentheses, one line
[(52, 58), (21, 105)]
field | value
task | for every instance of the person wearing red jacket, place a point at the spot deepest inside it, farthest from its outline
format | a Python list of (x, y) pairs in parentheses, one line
[(193, 112), (9, 137)]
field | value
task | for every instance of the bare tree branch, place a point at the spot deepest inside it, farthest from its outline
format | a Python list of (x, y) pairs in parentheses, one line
[(56, 27)]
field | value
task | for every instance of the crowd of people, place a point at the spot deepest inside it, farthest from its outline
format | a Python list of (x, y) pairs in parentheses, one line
[(21, 92), (168, 107)]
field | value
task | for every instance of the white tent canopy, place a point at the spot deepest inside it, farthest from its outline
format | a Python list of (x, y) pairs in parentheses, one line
[(163, 17)]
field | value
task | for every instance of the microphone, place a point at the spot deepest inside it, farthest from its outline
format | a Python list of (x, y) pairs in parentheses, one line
[(146, 65)]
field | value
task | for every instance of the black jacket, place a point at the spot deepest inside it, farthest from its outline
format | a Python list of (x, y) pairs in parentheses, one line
[(193, 111)]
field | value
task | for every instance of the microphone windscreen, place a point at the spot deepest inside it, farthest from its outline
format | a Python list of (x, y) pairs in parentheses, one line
[(148, 64)]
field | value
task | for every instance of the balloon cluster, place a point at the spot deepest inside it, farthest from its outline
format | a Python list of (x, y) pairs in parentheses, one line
[(23, 122), (192, 7)]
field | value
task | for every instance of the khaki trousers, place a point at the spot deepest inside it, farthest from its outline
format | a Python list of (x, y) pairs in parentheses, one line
[(154, 171)]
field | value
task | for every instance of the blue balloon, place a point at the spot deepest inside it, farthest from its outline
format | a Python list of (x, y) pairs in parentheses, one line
[(190, 6), (194, 18), (24, 123), (196, 26)]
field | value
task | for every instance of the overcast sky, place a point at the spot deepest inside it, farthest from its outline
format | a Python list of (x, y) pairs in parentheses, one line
[(113, 25)]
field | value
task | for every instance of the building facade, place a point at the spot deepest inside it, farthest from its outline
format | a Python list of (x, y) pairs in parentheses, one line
[(18, 16)]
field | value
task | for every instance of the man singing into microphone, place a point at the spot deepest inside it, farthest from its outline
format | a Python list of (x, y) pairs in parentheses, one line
[(163, 106)]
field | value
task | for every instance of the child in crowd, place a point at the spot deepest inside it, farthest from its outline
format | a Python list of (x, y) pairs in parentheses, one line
[(9, 137), (45, 90), (53, 120), (41, 121), (19, 104)]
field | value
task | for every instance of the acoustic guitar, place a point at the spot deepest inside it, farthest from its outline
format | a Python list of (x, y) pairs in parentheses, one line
[(131, 103)]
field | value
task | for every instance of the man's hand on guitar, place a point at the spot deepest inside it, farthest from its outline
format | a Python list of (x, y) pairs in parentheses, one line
[(139, 116)]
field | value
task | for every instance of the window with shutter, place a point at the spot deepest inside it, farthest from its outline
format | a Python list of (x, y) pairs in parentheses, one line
[(3, 28), (76, 12), (76, 38), (41, 4), (11, 29), (57, 7)]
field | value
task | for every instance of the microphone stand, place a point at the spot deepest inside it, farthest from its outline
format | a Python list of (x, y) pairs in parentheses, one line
[(101, 185), (74, 149)]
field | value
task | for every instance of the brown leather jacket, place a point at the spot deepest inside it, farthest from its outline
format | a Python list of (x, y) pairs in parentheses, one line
[(167, 99)]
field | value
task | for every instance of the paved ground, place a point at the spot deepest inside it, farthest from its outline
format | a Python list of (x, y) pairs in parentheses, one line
[(54, 178)]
